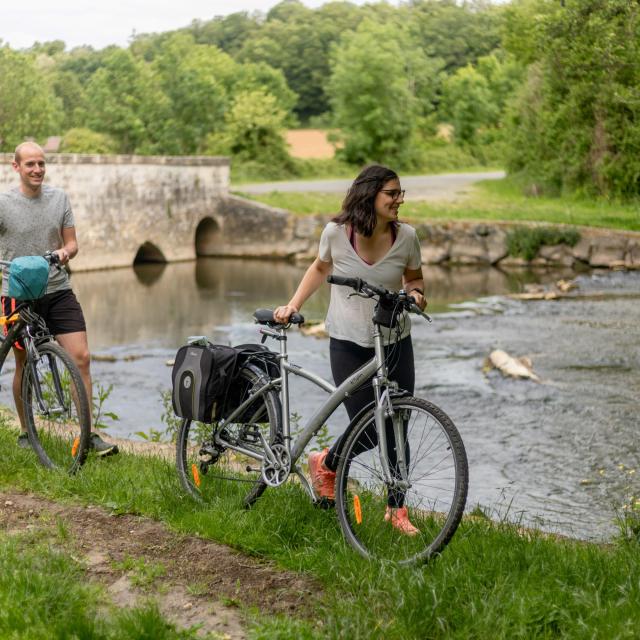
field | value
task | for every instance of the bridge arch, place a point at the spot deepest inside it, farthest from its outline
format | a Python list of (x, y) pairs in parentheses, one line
[(209, 237), (149, 252)]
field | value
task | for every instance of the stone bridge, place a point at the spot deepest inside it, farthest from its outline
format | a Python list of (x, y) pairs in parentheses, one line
[(161, 209)]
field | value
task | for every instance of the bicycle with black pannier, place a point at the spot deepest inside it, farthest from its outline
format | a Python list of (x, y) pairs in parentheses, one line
[(236, 437)]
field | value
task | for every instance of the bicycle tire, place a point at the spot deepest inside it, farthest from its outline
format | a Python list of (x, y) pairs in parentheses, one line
[(438, 476), (56, 408), (207, 479)]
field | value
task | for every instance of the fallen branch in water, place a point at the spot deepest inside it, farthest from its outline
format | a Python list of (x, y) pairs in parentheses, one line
[(510, 366)]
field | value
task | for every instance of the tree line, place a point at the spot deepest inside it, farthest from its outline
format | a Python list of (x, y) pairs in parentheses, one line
[(549, 88)]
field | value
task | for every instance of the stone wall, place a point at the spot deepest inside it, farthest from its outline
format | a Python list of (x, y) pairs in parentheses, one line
[(485, 243)]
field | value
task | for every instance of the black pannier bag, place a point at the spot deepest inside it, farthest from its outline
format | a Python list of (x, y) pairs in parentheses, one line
[(261, 358), (201, 376)]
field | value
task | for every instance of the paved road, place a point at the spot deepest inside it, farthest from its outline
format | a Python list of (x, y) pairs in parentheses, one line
[(435, 187)]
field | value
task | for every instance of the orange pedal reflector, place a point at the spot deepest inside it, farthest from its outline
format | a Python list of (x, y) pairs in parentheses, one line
[(75, 447), (357, 508), (196, 475)]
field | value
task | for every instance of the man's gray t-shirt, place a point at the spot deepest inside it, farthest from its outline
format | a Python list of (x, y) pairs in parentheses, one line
[(33, 226), (349, 318)]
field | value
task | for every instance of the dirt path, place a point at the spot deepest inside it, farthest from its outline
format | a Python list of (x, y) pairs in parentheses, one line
[(194, 581)]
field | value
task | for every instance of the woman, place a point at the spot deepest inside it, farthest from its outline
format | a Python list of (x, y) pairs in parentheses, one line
[(364, 241)]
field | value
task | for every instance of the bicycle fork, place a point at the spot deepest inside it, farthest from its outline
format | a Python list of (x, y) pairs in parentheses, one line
[(31, 363), (398, 479)]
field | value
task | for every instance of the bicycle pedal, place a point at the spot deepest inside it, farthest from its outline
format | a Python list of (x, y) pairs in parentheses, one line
[(249, 469), (54, 411)]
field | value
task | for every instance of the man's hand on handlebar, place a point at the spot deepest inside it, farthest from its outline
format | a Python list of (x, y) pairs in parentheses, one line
[(63, 256)]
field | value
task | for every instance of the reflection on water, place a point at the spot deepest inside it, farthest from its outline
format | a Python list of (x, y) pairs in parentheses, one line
[(160, 304)]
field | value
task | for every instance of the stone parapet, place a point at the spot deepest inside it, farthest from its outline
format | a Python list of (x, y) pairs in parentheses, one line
[(94, 158)]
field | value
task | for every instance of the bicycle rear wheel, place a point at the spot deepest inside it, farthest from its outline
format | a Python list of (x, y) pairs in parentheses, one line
[(209, 471), (437, 475), (56, 408)]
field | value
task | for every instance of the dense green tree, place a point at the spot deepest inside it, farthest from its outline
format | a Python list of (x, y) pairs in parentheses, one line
[(297, 40), (468, 103), (253, 76), (193, 78), (253, 131), (373, 94), (458, 33), (124, 100), (71, 94), (576, 123), (28, 107), (51, 48), (84, 61), (228, 33)]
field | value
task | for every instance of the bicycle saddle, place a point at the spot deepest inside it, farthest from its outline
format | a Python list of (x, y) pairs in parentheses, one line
[(265, 316)]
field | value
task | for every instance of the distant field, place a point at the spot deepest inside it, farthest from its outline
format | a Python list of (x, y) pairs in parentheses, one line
[(310, 144)]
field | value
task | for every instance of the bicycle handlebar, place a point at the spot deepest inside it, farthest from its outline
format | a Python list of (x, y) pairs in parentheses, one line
[(371, 290), (50, 256)]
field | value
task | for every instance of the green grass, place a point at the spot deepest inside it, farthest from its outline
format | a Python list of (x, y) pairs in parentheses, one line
[(44, 594), (490, 582), (489, 200), (440, 158)]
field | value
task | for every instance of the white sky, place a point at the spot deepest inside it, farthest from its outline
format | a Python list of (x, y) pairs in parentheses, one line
[(100, 23)]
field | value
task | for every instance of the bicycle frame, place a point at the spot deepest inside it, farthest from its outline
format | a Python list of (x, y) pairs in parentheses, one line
[(375, 367)]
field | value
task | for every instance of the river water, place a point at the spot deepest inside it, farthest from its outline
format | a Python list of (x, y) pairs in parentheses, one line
[(560, 454)]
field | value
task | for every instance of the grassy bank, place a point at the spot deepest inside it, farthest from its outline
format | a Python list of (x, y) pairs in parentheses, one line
[(490, 200), (491, 581)]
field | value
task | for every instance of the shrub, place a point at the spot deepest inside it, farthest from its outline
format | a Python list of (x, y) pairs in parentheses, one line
[(82, 140), (525, 242)]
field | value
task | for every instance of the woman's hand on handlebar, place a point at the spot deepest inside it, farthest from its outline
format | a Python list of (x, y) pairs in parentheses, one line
[(283, 313), (419, 299)]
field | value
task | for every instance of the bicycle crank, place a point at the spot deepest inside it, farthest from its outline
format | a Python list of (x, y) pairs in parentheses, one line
[(276, 472)]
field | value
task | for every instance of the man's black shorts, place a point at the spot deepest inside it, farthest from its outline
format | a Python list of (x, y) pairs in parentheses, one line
[(60, 310)]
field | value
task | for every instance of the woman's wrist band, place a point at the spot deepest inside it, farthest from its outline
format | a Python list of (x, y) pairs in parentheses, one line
[(420, 291)]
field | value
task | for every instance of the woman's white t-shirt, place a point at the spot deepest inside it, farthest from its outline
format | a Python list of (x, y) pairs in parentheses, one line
[(350, 318)]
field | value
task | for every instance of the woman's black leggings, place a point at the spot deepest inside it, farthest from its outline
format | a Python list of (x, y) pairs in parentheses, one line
[(346, 357)]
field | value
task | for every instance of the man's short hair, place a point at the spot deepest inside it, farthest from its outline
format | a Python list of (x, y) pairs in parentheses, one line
[(17, 156)]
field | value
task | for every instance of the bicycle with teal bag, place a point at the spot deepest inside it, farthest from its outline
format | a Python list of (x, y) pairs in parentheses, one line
[(54, 401)]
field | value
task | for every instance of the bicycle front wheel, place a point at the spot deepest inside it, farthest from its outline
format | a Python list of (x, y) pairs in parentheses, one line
[(56, 408), (432, 486), (211, 471)]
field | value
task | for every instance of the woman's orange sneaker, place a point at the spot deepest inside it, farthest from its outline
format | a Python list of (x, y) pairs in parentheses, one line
[(399, 519), (322, 479)]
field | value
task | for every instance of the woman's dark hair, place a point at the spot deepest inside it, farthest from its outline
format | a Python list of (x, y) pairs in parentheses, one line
[(358, 206)]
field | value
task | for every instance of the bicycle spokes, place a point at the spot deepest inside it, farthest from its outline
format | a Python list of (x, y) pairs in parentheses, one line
[(56, 407), (405, 506)]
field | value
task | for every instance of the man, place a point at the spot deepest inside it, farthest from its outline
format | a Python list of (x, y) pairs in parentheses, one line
[(36, 218)]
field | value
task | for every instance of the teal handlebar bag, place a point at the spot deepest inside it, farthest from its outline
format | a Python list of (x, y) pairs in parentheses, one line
[(28, 277)]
